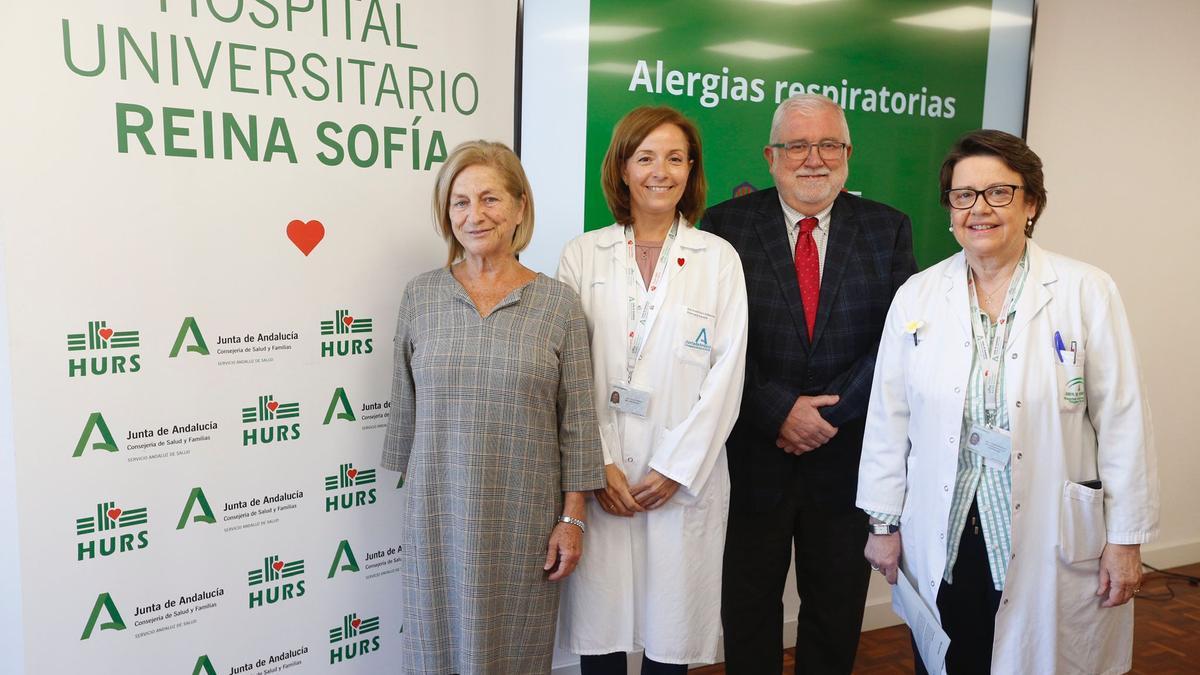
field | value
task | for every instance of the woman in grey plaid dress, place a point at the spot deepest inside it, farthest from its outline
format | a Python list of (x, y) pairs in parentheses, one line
[(493, 424)]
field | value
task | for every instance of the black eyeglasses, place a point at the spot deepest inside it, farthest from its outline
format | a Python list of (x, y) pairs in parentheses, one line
[(995, 196), (828, 150)]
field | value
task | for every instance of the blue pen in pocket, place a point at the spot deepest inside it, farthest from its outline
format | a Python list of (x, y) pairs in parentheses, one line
[(1059, 347)]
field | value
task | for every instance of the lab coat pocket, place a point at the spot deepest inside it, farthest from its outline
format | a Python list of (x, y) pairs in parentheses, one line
[(1072, 396), (696, 332), (1081, 533)]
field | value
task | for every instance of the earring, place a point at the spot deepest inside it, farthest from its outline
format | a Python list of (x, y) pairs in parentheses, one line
[(950, 229), (1029, 222)]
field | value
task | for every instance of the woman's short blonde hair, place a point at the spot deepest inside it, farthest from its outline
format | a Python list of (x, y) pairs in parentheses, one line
[(627, 136), (504, 161)]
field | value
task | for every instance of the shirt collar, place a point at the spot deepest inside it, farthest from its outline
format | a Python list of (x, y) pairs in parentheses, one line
[(792, 216)]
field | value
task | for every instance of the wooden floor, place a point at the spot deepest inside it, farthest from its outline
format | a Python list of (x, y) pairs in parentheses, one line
[(1166, 635)]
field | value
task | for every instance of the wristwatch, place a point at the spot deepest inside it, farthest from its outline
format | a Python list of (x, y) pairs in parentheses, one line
[(882, 528), (573, 521)]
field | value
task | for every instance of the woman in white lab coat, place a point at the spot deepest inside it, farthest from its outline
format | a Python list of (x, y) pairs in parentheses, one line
[(1009, 438), (666, 307)]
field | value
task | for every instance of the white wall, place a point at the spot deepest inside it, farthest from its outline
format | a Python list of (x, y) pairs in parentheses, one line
[(12, 635), (1113, 106)]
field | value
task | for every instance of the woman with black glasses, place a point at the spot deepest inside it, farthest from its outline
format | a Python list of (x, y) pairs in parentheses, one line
[(1008, 465)]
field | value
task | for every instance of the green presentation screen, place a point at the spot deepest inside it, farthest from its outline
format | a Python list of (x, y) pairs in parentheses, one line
[(912, 76)]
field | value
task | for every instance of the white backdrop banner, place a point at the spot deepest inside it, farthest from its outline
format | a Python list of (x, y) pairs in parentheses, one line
[(209, 210)]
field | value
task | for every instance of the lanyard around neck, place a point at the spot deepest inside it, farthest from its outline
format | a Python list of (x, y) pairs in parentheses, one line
[(990, 352), (638, 323)]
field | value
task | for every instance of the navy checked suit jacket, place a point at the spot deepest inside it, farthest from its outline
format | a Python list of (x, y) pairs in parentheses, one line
[(867, 257)]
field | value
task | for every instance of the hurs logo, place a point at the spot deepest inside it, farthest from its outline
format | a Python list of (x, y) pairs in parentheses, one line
[(344, 483), (270, 410), (340, 328), (102, 535), (91, 351), (270, 575), (353, 627)]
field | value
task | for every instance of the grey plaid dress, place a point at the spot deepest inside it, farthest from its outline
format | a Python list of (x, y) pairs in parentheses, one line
[(492, 420)]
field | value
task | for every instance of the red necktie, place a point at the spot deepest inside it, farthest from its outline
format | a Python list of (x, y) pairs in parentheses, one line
[(808, 272)]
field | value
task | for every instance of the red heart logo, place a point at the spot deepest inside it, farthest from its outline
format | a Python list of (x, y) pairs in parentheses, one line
[(106, 333), (113, 514), (306, 235), (272, 405), (356, 623), (278, 565), (680, 261), (352, 473), (348, 320)]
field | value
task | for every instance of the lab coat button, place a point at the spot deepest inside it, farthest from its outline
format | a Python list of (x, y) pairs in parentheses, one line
[(945, 488), (1016, 507), (1018, 404), (957, 389), (1019, 455), (966, 344), (1014, 355), (941, 535), (629, 459), (951, 439), (1006, 601)]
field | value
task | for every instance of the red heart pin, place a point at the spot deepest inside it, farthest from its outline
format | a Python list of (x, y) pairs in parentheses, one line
[(272, 405), (306, 235), (113, 514), (278, 565), (680, 261), (352, 473), (348, 320), (356, 623), (106, 333)]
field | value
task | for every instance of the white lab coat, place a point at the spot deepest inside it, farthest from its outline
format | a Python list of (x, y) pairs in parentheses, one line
[(654, 581), (1050, 620)]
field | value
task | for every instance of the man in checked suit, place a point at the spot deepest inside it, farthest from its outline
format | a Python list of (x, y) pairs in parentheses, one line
[(821, 267)]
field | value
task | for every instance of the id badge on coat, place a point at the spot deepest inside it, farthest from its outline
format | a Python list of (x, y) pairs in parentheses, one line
[(993, 444), (626, 398)]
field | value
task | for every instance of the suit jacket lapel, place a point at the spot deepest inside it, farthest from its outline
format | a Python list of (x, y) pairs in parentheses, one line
[(772, 231), (843, 230)]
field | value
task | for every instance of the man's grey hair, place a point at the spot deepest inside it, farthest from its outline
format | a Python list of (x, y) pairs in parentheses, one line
[(806, 104)]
